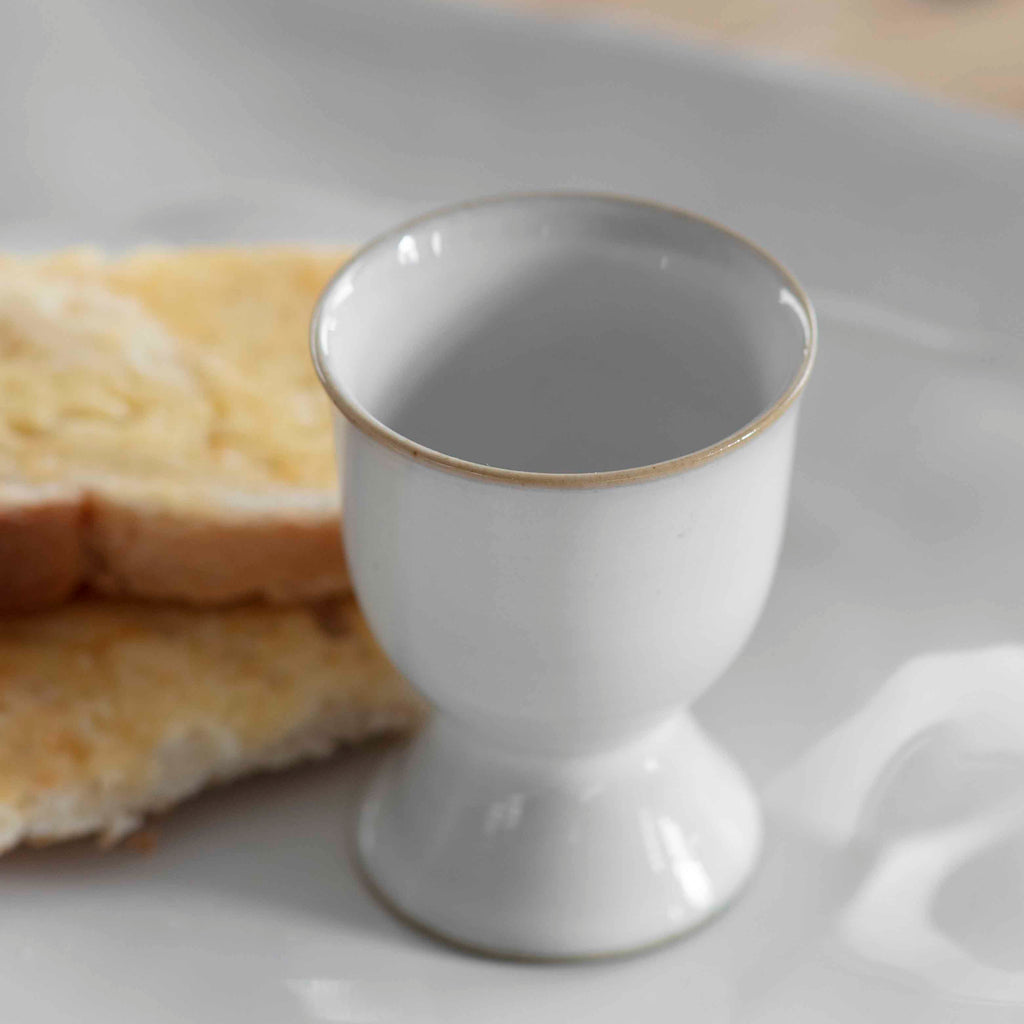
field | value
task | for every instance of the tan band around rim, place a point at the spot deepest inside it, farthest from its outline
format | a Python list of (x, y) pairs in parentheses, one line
[(377, 431)]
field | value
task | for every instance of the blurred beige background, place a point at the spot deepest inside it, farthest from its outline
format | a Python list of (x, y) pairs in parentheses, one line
[(970, 50)]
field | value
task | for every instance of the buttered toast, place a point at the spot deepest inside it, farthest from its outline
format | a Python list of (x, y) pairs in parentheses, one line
[(162, 434), (111, 709)]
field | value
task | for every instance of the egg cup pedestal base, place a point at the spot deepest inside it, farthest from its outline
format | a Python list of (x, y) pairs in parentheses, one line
[(543, 856)]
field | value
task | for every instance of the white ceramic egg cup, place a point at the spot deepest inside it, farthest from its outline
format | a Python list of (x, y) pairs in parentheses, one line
[(495, 367)]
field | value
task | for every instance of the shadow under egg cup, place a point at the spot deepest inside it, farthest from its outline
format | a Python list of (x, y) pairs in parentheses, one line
[(565, 427)]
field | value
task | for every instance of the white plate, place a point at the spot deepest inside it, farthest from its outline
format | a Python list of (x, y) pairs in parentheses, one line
[(880, 706)]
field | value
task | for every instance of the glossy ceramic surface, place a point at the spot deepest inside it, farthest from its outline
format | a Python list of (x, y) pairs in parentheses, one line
[(562, 600), (890, 890), (563, 340), (559, 857)]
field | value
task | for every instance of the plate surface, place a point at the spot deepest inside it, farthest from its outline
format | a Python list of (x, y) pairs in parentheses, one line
[(880, 706)]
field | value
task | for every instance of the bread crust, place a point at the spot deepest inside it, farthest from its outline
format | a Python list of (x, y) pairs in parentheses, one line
[(55, 543), (42, 551), (224, 557)]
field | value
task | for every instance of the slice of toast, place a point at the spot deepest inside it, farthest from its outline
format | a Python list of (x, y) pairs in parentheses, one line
[(111, 709), (162, 433)]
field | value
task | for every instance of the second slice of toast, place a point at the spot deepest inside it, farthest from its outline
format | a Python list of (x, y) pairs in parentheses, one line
[(112, 709)]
